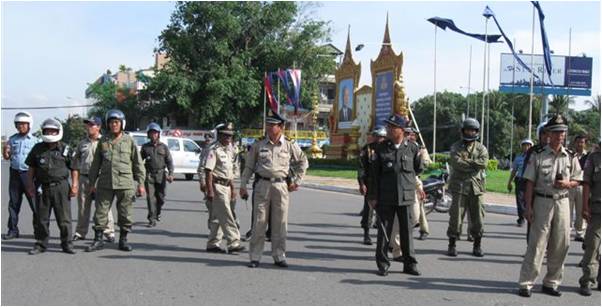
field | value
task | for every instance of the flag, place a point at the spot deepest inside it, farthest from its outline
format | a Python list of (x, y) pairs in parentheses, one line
[(271, 100), (489, 13), (291, 81), (544, 39), (445, 23)]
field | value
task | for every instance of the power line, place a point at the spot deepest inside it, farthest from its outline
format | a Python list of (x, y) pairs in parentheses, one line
[(44, 108)]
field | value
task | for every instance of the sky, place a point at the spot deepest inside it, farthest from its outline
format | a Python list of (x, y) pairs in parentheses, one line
[(52, 50)]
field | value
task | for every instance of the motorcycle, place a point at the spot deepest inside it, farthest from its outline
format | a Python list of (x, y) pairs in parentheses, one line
[(437, 197)]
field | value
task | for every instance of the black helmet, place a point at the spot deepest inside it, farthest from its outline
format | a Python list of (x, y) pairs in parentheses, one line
[(470, 123), (115, 114)]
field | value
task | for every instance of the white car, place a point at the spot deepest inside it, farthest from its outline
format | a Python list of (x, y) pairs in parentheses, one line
[(184, 152)]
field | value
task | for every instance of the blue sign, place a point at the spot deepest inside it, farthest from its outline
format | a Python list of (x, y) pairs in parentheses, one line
[(578, 72), (383, 90)]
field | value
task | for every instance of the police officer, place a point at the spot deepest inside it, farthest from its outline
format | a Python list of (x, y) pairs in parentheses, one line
[(392, 193), (575, 194), (84, 153), (468, 160), (419, 214), (279, 166), (212, 221), (220, 171), (156, 158), (364, 175), (550, 173), (16, 150), (518, 166), (591, 213), (117, 163), (50, 164)]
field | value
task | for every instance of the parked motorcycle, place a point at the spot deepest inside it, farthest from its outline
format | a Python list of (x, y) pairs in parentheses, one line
[(437, 196)]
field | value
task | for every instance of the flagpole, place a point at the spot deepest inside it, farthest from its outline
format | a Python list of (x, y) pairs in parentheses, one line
[(435, 98), (569, 68), (265, 94), (484, 80), (512, 101), (488, 98), (468, 89), (532, 71)]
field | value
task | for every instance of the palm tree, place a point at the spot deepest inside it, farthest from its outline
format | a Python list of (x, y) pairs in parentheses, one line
[(594, 103), (560, 104)]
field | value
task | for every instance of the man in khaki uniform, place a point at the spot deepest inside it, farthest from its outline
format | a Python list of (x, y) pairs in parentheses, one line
[(220, 172), (576, 193), (591, 213), (279, 166), (83, 156), (117, 163), (550, 173)]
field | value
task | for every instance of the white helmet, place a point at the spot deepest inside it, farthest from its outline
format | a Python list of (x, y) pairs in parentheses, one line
[(52, 124), (24, 117)]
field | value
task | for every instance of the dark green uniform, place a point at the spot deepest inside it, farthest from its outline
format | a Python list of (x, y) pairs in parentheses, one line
[(116, 165), (591, 260), (394, 188), (156, 159), (51, 169), (364, 173)]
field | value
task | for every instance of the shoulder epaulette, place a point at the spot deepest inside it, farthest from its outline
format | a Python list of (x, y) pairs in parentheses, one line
[(261, 138), (570, 152), (538, 149)]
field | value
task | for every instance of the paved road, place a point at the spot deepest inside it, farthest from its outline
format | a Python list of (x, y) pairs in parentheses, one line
[(328, 264)]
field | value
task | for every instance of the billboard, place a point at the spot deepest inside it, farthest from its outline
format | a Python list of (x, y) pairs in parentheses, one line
[(345, 103), (384, 96), (570, 75)]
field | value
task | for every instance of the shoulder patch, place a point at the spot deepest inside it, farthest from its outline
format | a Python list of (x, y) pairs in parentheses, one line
[(538, 149)]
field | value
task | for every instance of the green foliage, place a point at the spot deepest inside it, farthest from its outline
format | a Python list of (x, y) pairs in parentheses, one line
[(441, 158), (109, 96), (492, 165), (74, 130), (219, 52), (434, 166)]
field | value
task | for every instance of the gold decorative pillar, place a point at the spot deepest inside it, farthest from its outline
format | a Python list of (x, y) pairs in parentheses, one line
[(314, 150)]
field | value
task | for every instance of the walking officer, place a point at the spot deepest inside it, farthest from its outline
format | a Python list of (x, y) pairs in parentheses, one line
[(220, 171), (84, 153), (365, 174), (550, 173), (279, 166), (576, 193), (392, 193), (156, 158), (16, 150), (591, 213), (468, 160), (50, 164), (116, 165)]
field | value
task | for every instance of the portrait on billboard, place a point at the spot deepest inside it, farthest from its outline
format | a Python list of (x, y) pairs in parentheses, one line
[(383, 91), (345, 103)]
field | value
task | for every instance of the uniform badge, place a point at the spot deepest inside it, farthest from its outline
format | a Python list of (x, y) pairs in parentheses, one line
[(42, 161), (389, 164)]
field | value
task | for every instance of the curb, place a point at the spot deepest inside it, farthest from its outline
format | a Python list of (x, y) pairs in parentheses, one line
[(489, 207)]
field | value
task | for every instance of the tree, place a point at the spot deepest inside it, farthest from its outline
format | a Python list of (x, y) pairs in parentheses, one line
[(219, 52), (74, 130), (594, 103), (560, 104), (108, 96)]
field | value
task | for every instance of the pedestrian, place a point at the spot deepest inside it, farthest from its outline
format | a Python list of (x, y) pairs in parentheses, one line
[(550, 173), (279, 166), (157, 158), (365, 174), (576, 193), (220, 171), (468, 160), (392, 193), (16, 150), (516, 175), (115, 167), (84, 153), (591, 213), (50, 164)]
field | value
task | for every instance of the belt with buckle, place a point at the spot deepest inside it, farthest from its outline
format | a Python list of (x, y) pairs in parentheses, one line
[(51, 184), (553, 196), (270, 179), (221, 181)]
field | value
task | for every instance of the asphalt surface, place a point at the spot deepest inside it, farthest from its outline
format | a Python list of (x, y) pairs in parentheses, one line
[(328, 263)]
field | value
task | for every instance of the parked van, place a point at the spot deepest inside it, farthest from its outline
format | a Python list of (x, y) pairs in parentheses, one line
[(184, 152)]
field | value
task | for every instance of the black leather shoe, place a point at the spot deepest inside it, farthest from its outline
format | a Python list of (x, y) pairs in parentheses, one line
[(585, 291), (524, 292), (281, 264), (579, 238), (151, 224), (398, 259), (159, 217), (382, 273), (37, 250), (215, 249), (411, 269), (10, 236), (253, 264), (550, 291), (451, 251), (236, 249), (68, 250)]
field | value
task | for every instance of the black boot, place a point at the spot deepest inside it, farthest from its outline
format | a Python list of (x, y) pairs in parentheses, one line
[(123, 241), (367, 240), (451, 249), (98, 243), (476, 248)]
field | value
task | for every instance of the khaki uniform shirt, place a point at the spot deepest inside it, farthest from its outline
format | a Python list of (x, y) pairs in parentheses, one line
[(221, 161), (84, 154), (275, 160), (544, 165), (117, 163)]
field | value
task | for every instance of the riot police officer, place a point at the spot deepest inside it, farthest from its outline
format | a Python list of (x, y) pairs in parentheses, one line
[(50, 164), (116, 165), (364, 175), (468, 160), (156, 158), (392, 192)]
